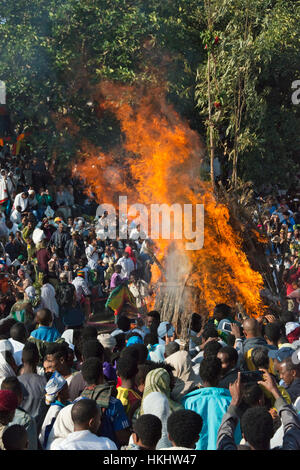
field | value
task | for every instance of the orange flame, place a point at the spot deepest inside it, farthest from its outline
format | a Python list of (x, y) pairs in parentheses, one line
[(159, 162)]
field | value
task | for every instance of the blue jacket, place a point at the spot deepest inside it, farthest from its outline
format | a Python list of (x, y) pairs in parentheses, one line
[(211, 404)]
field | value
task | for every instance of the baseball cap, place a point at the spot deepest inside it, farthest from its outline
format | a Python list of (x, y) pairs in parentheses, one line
[(281, 354)]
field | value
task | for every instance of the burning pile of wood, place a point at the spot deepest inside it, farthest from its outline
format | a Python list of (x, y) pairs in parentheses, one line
[(176, 301)]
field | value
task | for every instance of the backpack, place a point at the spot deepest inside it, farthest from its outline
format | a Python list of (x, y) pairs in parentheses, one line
[(101, 394), (65, 294)]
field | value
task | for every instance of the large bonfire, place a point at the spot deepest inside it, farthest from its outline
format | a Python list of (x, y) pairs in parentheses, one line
[(158, 162)]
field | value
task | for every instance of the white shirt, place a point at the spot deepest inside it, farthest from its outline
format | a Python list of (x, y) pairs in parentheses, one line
[(91, 254), (49, 420), (127, 266), (81, 287), (18, 348), (16, 217), (13, 229), (19, 201), (85, 440), (139, 290), (135, 234)]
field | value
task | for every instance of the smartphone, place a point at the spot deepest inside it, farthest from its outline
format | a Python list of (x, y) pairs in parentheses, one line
[(226, 326), (251, 376)]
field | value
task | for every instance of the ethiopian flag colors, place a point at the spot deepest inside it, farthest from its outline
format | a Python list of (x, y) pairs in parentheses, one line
[(119, 297)]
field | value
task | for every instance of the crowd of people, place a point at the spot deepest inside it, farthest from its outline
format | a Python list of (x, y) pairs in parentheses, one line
[(280, 220), (136, 388), (67, 385)]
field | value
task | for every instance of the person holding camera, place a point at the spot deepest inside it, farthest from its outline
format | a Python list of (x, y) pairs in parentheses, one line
[(257, 423)]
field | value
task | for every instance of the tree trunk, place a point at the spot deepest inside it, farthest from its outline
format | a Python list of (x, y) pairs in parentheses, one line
[(210, 129)]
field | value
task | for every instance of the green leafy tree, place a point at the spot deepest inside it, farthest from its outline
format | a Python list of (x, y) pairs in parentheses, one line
[(244, 86)]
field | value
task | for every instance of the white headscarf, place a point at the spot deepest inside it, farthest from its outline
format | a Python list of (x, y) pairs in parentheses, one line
[(48, 299), (5, 369), (68, 336), (30, 292), (63, 426), (157, 404)]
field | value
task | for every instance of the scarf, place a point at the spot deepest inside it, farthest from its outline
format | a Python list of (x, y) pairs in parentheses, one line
[(157, 404), (5, 369), (158, 380), (63, 426), (186, 379)]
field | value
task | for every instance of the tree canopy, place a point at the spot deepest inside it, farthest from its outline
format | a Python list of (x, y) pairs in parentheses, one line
[(54, 52)]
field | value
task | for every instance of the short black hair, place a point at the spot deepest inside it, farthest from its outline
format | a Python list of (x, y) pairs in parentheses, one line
[(6, 326), (148, 428), (223, 309), (231, 353), (273, 331), (123, 323), (89, 332), (30, 353), (257, 427), (151, 338), (18, 332), (260, 357), (143, 370), (154, 314), (12, 383), (287, 317), (44, 316), (171, 348), (127, 367), (15, 437), (92, 348), (83, 411), (184, 427), (121, 341), (92, 370), (251, 394), (132, 334), (196, 322), (211, 349), (210, 370), (138, 351), (58, 350), (210, 331)]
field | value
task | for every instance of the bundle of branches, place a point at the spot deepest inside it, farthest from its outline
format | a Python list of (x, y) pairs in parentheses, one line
[(247, 217), (174, 300)]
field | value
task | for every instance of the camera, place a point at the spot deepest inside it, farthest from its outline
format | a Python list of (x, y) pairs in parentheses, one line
[(251, 376)]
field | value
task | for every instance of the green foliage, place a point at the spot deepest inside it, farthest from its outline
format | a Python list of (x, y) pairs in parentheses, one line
[(54, 52), (254, 64)]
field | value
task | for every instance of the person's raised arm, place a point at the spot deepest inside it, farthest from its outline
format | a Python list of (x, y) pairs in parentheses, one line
[(225, 439), (288, 414)]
